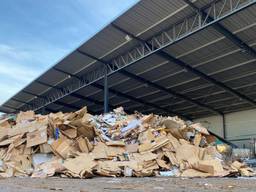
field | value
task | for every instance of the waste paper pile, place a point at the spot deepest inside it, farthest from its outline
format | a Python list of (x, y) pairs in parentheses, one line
[(80, 145)]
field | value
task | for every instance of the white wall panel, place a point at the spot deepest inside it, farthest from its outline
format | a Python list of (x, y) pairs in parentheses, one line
[(240, 126)]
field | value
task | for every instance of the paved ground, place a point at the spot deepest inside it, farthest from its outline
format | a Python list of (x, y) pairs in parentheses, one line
[(128, 184)]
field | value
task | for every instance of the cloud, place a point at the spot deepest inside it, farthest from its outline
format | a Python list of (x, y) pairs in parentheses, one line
[(12, 64), (35, 35), (18, 66)]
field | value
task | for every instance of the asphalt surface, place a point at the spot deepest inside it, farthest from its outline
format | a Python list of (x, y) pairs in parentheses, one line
[(128, 184)]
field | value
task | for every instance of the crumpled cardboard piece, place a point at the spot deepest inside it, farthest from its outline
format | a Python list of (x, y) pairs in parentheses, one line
[(84, 145), (213, 167), (102, 151), (48, 169), (200, 128), (113, 144), (62, 147), (187, 152), (69, 131), (4, 123), (11, 140), (26, 127), (25, 116), (37, 137), (112, 168), (194, 173), (154, 145), (80, 166), (132, 148), (84, 126)]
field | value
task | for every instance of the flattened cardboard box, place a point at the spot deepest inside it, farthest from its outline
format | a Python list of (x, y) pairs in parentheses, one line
[(37, 137)]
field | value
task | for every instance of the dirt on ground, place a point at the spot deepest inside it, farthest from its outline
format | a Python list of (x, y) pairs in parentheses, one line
[(128, 184)]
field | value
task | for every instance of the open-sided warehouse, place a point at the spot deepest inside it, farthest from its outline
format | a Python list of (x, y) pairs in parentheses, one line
[(195, 59)]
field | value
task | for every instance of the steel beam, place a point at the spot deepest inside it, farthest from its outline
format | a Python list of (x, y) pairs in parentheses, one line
[(169, 91), (27, 103), (142, 80), (10, 107), (5, 111), (180, 31), (56, 102), (74, 94), (220, 28), (190, 68), (130, 97)]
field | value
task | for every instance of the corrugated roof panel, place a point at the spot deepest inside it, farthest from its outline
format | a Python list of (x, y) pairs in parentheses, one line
[(236, 72), (103, 42), (127, 85), (241, 19), (249, 35), (193, 42), (235, 107), (147, 13), (227, 63), (14, 103), (54, 106), (242, 81), (87, 91), (23, 96), (149, 63), (69, 99), (36, 88), (209, 53), (5, 109), (52, 77), (74, 62), (201, 3)]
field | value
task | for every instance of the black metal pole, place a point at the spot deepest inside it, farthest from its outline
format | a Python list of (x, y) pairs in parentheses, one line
[(106, 107), (224, 126)]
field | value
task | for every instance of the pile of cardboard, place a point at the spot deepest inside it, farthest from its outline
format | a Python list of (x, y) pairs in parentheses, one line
[(116, 144)]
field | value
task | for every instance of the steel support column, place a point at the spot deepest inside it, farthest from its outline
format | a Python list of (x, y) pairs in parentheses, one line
[(224, 126), (106, 98)]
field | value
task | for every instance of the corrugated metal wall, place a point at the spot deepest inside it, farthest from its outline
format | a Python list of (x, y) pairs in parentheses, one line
[(240, 126)]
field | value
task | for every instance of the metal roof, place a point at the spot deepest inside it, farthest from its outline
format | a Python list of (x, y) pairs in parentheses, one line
[(191, 58)]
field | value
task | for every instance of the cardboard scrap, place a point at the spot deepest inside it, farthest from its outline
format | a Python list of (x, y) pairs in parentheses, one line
[(37, 137), (25, 116), (4, 123), (212, 167), (62, 147), (188, 153), (132, 148), (114, 144), (45, 148), (80, 166), (194, 173), (84, 145), (200, 128)]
